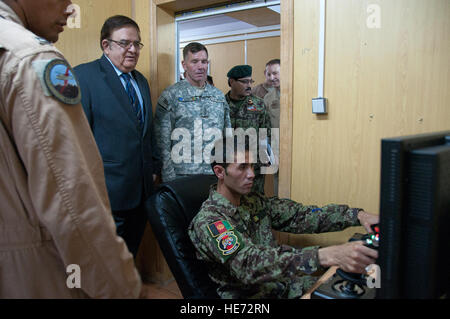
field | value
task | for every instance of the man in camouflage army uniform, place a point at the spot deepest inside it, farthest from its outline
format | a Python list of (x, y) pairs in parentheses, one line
[(192, 110), (233, 234), (247, 111)]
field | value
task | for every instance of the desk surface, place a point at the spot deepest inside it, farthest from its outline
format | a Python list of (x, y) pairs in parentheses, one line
[(327, 275)]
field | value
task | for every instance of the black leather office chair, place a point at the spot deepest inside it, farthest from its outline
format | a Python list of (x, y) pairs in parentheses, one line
[(170, 210)]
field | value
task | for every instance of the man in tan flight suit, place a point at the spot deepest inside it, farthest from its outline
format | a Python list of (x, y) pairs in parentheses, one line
[(57, 235), (269, 91)]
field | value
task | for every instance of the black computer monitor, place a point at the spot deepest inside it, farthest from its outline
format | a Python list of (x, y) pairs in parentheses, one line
[(414, 251)]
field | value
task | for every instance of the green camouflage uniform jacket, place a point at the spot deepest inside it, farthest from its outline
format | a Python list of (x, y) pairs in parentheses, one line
[(251, 113), (201, 115), (242, 254)]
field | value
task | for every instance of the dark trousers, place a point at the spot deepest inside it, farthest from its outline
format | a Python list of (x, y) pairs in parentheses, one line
[(130, 226)]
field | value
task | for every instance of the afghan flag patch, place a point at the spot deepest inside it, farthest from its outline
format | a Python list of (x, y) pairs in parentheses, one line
[(219, 227)]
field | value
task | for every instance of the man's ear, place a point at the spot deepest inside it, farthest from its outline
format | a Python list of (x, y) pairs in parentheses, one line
[(105, 45), (219, 171)]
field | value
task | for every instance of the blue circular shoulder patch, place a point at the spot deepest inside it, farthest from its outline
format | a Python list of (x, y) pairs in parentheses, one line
[(61, 82)]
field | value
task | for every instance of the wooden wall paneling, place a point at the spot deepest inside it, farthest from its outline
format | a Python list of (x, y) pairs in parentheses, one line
[(286, 98), (223, 57), (158, 33), (156, 63), (286, 105), (144, 15), (166, 48), (81, 45), (379, 82), (259, 52)]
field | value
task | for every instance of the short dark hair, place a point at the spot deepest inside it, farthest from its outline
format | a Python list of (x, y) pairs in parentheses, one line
[(193, 47), (114, 23), (227, 146), (273, 62)]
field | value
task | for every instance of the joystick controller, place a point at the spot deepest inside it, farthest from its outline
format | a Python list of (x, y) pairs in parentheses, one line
[(345, 285)]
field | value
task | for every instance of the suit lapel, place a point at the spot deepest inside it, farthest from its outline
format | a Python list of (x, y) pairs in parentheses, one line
[(114, 83)]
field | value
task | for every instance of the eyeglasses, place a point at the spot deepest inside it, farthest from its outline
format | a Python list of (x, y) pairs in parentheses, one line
[(126, 44), (246, 81)]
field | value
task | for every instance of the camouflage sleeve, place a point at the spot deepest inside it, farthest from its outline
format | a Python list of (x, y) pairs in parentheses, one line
[(256, 264), (290, 216), (226, 120), (247, 262), (266, 122), (163, 127)]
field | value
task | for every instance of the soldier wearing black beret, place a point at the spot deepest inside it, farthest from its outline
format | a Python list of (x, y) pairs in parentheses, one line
[(248, 111)]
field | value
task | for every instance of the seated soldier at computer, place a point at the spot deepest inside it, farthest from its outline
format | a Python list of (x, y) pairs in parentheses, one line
[(233, 233)]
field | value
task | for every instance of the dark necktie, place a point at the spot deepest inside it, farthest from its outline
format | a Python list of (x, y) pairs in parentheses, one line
[(133, 97)]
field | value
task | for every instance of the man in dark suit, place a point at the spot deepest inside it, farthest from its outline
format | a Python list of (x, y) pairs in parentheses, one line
[(116, 100)]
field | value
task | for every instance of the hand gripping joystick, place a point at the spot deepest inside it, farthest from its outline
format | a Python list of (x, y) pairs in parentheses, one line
[(353, 283), (350, 285)]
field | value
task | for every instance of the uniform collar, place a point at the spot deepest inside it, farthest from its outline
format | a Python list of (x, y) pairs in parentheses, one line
[(230, 99), (8, 13), (266, 86), (224, 205), (221, 202), (194, 89), (270, 88)]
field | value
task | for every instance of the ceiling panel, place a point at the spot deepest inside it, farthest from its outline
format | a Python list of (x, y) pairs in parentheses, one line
[(190, 5), (210, 26), (259, 17)]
